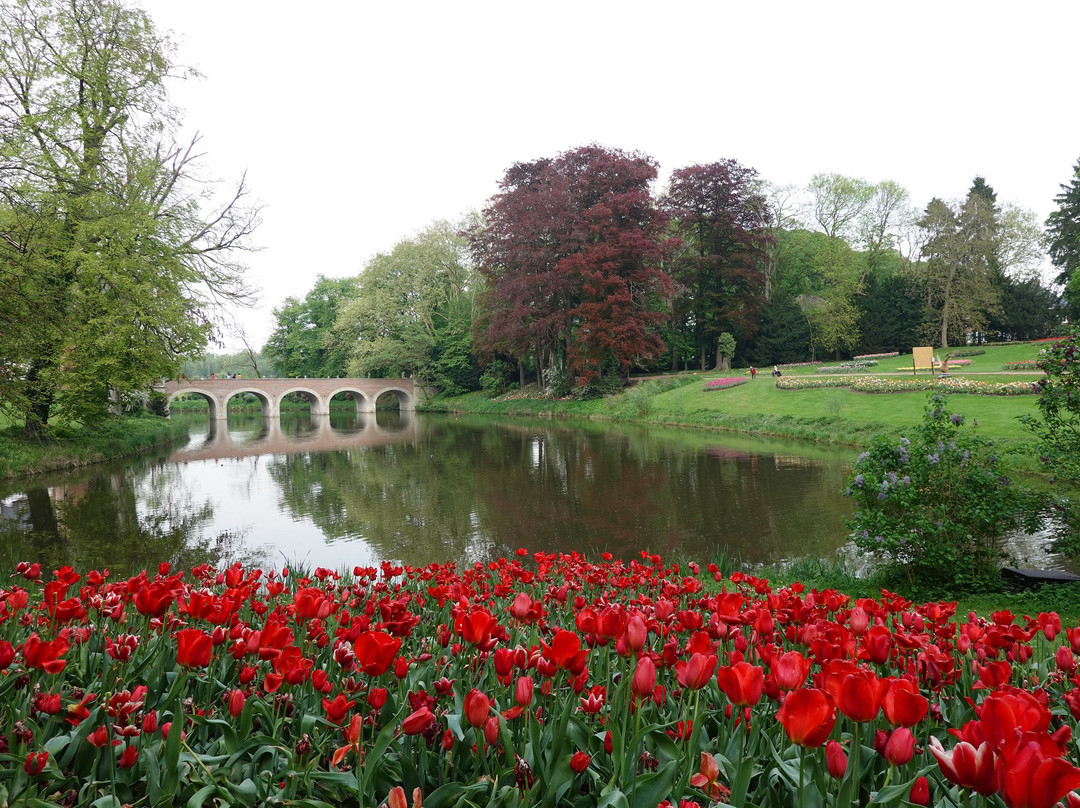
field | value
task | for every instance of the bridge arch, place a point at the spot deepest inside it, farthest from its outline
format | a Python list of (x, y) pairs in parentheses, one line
[(268, 405), (319, 404), (211, 400)]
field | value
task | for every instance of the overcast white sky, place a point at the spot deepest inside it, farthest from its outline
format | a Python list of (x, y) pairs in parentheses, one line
[(359, 123)]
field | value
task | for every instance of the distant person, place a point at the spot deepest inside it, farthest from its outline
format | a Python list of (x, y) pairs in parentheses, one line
[(776, 371), (213, 375), (753, 372)]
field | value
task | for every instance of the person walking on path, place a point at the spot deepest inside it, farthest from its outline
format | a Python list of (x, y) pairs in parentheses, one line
[(753, 372)]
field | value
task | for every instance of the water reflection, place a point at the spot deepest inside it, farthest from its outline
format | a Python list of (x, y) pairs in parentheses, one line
[(355, 489)]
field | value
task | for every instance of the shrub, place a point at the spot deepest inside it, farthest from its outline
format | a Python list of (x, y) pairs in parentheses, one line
[(1058, 431), (937, 505), (495, 380)]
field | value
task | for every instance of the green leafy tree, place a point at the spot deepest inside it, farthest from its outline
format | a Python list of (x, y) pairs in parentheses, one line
[(890, 313), (110, 259), (935, 507), (960, 267), (726, 349), (412, 312), (300, 343), (1063, 230)]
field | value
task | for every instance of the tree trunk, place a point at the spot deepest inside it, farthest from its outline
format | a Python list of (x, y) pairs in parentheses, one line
[(39, 398)]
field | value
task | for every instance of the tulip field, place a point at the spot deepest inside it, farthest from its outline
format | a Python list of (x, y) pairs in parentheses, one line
[(540, 680)]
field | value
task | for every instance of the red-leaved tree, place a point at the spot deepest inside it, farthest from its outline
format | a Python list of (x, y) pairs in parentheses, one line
[(721, 218), (570, 250)]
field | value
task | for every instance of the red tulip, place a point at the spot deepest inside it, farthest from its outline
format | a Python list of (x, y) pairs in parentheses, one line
[(523, 691), (903, 704), (900, 747), (580, 761), (860, 695), (7, 654), (476, 627), (566, 652), (636, 634), (310, 602), (1033, 779), (1064, 658), (644, 680), (236, 702), (417, 721), (790, 670), (375, 652), (808, 716), (337, 708), (477, 707), (920, 792), (695, 672), (35, 763), (193, 648), (46, 655), (741, 683), (491, 730), (876, 645), (967, 766), (128, 757), (835, 759)]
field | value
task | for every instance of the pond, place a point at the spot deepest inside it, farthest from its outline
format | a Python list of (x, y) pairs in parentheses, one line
[(353, 490)]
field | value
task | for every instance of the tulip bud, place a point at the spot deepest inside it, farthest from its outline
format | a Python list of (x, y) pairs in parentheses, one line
[(835, 759), (523, 691), (491, 730), (236, 703)]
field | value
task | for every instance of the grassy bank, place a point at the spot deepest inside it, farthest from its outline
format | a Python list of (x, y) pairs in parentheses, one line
[(71, 446), (832, 415)]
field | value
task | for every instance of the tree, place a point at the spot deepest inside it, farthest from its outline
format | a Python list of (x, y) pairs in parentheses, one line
[(110, 260), (721, 217), (890, 313), (960, 263), (570, 251), (1063, 231), (837, 203), (412, 312), (299, 343)]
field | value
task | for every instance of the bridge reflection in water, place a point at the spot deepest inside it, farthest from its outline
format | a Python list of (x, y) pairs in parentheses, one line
[(220, 443)]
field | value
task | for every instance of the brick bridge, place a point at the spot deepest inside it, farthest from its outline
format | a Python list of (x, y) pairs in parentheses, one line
[(317, 392)]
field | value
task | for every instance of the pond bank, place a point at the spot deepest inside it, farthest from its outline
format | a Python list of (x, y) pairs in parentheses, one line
[(72, 446)]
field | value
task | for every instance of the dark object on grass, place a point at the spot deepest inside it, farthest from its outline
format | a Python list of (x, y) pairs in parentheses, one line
[(1034, 577)]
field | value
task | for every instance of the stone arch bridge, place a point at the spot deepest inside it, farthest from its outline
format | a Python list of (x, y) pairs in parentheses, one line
[(270, 392)]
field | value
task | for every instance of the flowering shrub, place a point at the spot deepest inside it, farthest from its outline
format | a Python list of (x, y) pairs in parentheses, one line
[(880, 384), (541, 680), (722, 384), (878, 355), (936, 505)]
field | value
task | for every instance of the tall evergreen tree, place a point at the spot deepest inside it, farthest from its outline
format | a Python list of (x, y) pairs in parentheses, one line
[(1063, 229)]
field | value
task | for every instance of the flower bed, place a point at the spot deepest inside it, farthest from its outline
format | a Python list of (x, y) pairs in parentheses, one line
[(540, 680), (878, 355), (800, 364), (1029, 364), (879, 384), (847, 367), (723, 384)]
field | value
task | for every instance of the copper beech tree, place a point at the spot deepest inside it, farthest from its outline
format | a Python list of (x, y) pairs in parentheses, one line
[(571, 250)]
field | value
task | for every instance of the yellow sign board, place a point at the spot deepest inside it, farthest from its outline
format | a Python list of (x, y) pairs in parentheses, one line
[(922, 359)]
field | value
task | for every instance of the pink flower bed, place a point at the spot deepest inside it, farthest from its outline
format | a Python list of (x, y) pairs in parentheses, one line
[(723, 384)]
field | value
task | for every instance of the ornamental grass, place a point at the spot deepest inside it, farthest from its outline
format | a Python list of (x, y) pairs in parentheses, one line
[(541, 680)]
